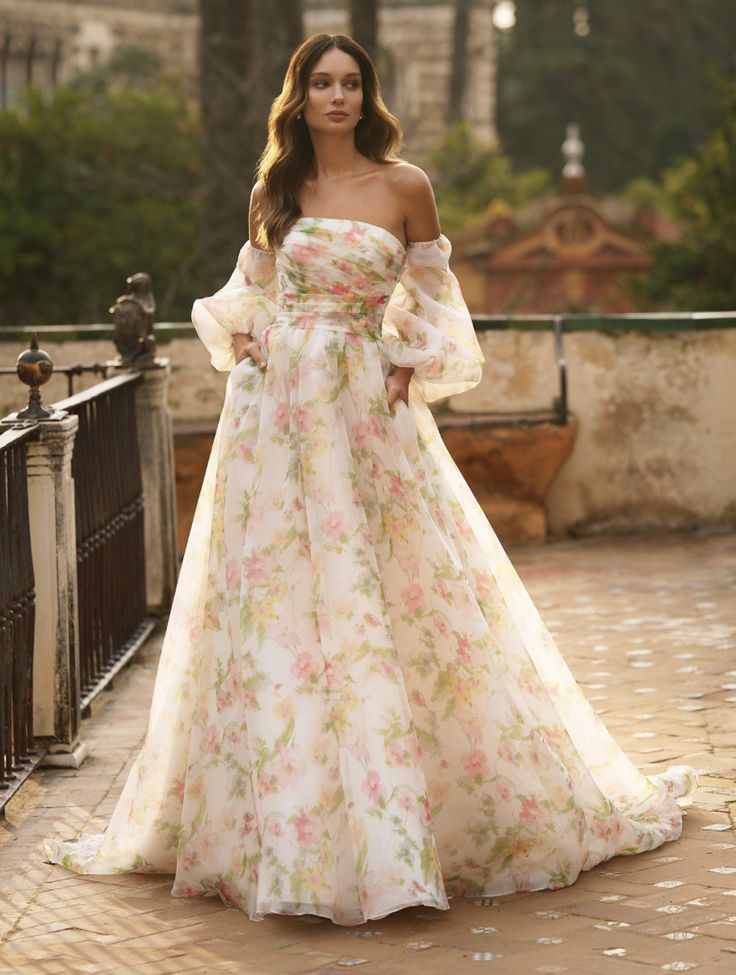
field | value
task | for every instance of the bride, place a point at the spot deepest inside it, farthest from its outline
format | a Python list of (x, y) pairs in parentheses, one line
[(357, 706)]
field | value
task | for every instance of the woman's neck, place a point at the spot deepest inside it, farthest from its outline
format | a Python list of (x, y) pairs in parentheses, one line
[(335, 158)]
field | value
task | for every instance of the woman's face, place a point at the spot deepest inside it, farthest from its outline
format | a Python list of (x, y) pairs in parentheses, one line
[(334, 93)]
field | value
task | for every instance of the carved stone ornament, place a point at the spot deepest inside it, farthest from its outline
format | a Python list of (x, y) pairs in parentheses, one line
[(133, 315)]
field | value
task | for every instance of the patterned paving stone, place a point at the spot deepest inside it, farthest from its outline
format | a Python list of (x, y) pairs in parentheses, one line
[(648, 626)]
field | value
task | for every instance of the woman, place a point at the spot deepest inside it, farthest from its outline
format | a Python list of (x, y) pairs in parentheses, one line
[(357, 706)]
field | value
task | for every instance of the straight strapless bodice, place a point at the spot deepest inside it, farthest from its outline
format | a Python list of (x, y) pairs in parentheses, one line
[(336, 274)]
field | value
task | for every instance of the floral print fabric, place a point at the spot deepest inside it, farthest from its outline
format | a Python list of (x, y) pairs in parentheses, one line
[(358, 707)]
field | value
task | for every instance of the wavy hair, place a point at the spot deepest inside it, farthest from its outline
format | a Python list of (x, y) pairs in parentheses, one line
[(288, 158)]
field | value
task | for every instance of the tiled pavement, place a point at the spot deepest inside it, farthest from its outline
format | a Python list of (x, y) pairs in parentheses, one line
[(648, 626)]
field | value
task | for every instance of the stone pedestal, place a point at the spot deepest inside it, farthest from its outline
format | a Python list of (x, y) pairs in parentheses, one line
[(56, 690), (509, 468), (156, 446)]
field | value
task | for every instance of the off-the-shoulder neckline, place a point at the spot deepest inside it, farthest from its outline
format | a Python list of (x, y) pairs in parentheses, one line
[(374, 226), (364, 223)]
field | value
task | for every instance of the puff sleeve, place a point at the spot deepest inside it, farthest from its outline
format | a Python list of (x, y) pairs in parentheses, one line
[(246, 303), (427, 324)]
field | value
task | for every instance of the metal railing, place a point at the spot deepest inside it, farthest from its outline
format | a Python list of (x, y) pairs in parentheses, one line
[(71, 372), (18, 756), (111, 565)]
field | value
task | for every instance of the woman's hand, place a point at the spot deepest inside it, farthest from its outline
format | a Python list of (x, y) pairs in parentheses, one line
[(245, 345), (397, 385)]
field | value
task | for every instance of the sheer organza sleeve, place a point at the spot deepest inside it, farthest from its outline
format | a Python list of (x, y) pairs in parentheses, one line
[(427, 324), (246, 303)]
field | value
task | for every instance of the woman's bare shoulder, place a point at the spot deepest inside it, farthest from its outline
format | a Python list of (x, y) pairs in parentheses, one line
[(413, 188), (407, 176)]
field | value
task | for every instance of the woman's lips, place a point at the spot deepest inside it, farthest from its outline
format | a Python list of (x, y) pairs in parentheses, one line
[(337, 114)]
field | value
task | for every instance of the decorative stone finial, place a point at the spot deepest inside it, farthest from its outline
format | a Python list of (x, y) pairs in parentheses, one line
[(133, 315), (573, 149), (34, 368)]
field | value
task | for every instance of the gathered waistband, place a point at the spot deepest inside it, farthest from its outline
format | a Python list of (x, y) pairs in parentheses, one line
[(347, 317)]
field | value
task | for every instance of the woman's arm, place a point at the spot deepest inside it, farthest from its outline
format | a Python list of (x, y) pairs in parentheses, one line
[(243, 343), (421, 222)]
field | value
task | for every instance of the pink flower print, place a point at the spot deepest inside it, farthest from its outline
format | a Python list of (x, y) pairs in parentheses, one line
[(305, 253), (371, 620), (398, 488), (334, 525), (196, 789), (355, 235), (254, 568), (529, 811), (440, 587), (386, 667), (504, 791), (227, 892), (396, 756), (305, 830), (186, 890), (232, 575), (178, 789), (418, 699), (223, 698), (406, 802), (362, 433), (413, 597), (276, 828), (463, 650), (506, 752), (211, 739), (372, 787), (302, 420), (476, 763), (553, 735), (426, 809), (233, 736), (440, 624), (304, 666), (247, 826), (340, 289), (246, 453), (281, 418), (335, 673), (289, 766)]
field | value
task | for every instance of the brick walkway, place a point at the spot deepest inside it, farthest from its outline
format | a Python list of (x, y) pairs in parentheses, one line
[(648, 627)]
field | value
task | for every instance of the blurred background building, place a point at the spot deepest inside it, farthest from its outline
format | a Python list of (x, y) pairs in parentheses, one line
[(46, 42)]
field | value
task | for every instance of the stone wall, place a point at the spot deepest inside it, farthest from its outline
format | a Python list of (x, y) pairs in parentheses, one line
[(655, 445)]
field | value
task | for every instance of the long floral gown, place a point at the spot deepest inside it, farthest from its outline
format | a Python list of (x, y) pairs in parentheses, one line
[(357, 706)]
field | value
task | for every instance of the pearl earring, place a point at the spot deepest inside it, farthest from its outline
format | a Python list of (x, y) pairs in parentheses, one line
[(299, 115)]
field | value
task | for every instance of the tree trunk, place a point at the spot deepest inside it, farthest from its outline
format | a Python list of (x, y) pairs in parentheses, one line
[(364, 25), (459, 62), (245, 46)]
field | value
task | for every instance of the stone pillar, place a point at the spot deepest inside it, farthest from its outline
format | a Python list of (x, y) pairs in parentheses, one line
[(156, 446), (56, 684)]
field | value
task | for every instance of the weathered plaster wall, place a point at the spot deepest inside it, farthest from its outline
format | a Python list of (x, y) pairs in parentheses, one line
[(656, 444)]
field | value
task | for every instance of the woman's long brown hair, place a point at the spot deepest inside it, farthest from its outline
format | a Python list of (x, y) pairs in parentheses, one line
[(288, 158)]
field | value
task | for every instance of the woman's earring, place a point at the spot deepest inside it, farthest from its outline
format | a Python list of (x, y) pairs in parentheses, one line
[(299, 115), (362, 115)]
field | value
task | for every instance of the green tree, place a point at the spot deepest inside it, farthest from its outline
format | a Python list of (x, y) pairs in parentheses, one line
[(697, 273), (97, 182), (469, 176), (638, 83)]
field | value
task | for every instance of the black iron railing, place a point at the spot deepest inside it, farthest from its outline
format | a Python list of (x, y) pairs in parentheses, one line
[(108, 493), (17, 617)]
